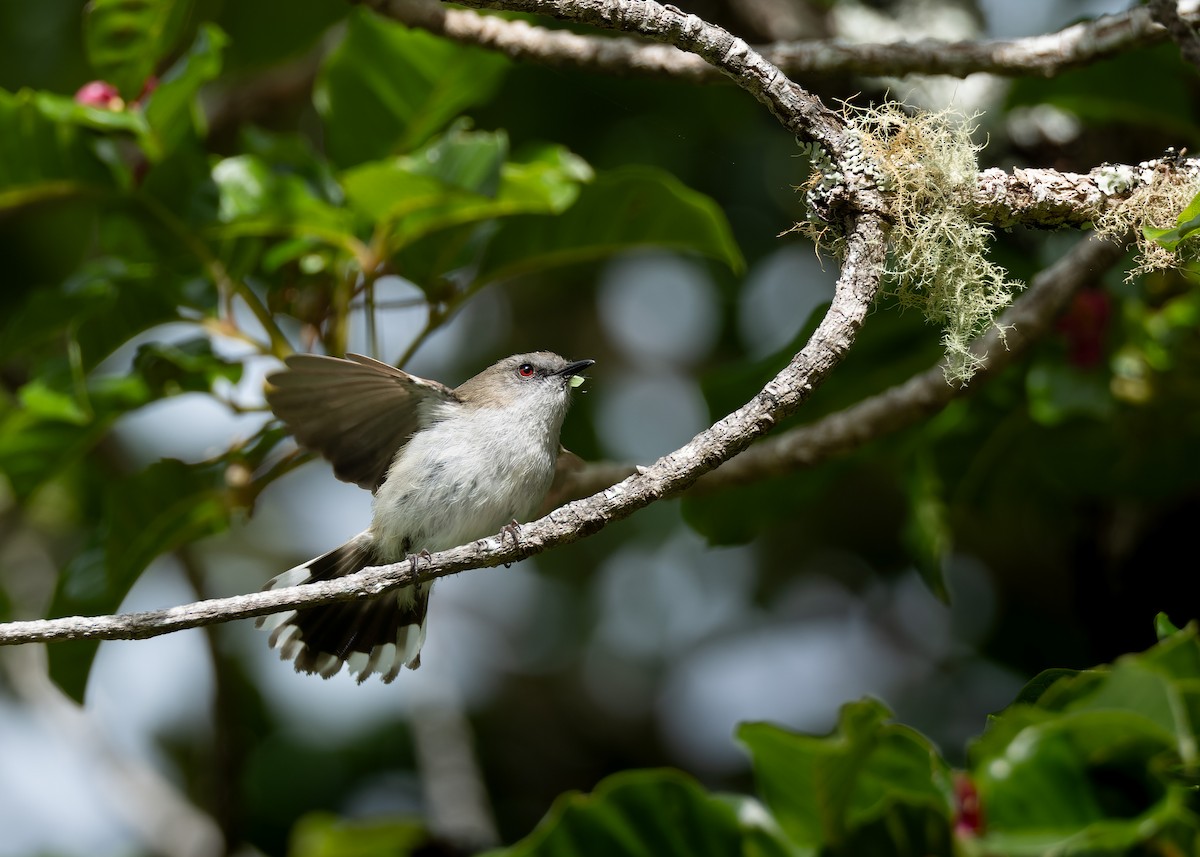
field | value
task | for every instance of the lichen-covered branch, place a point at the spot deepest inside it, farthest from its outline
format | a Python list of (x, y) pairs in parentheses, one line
[(1050, 199), (1042, 56)]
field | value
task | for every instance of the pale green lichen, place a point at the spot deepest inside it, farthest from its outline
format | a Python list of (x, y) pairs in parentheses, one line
[(926, 165)]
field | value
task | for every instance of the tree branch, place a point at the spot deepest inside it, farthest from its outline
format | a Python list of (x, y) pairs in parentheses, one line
[(1047, 198), (795, 108), (857, 285), (669, 475), (1024, 323), (1015, 332), (1039, 56)]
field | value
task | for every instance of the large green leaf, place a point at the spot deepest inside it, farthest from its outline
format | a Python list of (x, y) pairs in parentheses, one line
[(256, 198), (125, 39), (387, 89), (461, 178), (48, 150), (825, 792), (1096, 762), (656, 813), (167, 505), (623, 209)]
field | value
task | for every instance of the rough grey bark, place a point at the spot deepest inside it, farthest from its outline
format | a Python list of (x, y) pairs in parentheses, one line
[(1035, 56)]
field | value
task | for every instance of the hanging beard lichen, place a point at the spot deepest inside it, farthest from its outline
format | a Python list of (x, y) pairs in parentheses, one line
[(937, 251)]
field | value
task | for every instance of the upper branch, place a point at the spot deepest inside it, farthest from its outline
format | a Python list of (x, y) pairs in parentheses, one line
[(1045, 55), (796, 109)]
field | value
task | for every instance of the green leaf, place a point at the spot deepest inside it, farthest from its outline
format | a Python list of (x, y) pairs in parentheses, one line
[(1097, 762), (621, 210), (185, 367), (34, 448), (656, 813), (167, 505), (462, 178), (1163, 626), (825, 790), (256, 198), (1186, 223), (1036, 687), (125, 39), (1058, 777), (47, 150), (44, 403), (294, 154), (173, 109), (105, 302), (387, 89), (321, 834)]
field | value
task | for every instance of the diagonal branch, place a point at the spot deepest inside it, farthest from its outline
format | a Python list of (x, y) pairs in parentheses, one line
[(865, 246), (925, 394), (1047, 198), (669, 475), (1039, 56)]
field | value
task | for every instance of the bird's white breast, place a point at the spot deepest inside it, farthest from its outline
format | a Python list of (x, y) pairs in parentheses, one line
[(464, 477)]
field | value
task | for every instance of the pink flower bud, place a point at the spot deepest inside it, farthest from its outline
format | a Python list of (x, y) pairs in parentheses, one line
[(100, 93)]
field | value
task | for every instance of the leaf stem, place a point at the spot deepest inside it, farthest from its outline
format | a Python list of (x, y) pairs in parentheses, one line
[(227, 286)]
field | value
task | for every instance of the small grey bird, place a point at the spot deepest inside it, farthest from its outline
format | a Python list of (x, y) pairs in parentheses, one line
[(446, 467)]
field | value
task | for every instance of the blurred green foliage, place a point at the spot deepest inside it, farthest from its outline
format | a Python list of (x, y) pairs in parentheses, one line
[(1074, 476)]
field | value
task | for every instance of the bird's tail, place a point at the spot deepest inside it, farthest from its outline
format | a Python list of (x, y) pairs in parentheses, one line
[(375, 635)]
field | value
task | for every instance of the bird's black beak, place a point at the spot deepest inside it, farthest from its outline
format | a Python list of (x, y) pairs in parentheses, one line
[(574, 368)]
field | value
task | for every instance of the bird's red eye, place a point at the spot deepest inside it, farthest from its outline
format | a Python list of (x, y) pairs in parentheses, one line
[(525, 370)]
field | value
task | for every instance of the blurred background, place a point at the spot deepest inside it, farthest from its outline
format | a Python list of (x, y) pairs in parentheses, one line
[(1055, 502)]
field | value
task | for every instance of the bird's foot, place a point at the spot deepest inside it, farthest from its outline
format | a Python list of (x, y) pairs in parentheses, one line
[(414, 558), (513, 530)]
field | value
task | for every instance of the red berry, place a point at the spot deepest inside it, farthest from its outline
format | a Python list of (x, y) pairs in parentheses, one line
[(100, 93), (968, 818), (1085, 326)]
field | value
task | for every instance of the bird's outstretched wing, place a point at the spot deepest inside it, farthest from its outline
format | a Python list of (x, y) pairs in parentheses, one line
[(356, 412)]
